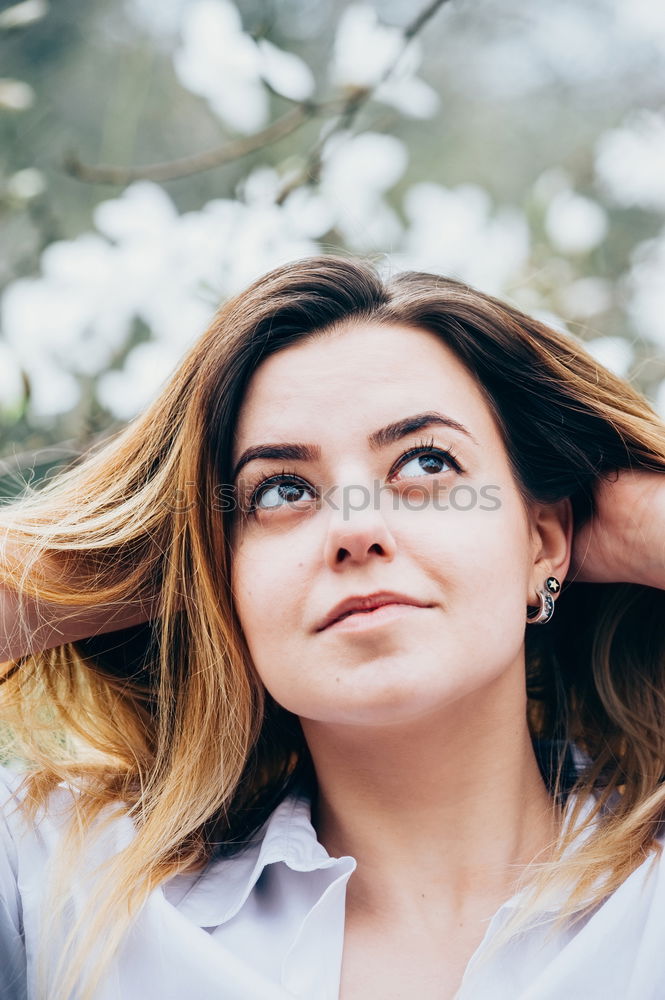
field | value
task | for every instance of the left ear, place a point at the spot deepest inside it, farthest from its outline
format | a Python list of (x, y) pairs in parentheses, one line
[(552, 539)]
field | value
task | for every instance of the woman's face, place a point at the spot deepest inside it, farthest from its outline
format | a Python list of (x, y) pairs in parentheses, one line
[(365, 498)]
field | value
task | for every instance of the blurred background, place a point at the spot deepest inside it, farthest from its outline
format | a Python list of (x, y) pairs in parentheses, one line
[(158, 155)]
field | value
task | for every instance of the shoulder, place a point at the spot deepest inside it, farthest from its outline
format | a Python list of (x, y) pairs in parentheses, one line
[(28, 836), (27, 849), (27, 846), (8, 853), (12, 934), (14, 828)]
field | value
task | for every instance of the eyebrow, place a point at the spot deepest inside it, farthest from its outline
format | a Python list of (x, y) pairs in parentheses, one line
[(297, 452)]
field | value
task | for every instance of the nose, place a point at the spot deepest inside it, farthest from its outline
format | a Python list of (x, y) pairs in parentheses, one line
[(355, 536)]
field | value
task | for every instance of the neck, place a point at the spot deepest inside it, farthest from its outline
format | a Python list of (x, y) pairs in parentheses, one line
[(451, 807)]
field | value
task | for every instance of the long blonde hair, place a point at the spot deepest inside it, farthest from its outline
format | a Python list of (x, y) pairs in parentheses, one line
[(168, 722)]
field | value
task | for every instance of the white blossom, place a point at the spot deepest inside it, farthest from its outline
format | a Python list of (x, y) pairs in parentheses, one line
[(20, 15), (26, 184), (357, 172), (630, 161), (76, 315), (286, 72), (143, 212), (575, 224), (304, 210), (308, 211), (53, 390), (220, 62), (225, 65), (646, 303), (456, 231), (16, 95), (146, 368), (146, 262), (365, 50)]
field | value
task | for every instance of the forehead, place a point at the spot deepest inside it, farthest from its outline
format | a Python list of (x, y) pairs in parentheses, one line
[(356, 379)]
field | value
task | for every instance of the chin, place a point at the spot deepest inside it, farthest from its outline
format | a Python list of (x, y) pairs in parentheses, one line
[(384, 706)]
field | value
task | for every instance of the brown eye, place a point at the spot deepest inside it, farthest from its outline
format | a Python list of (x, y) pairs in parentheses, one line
[(427, 460)]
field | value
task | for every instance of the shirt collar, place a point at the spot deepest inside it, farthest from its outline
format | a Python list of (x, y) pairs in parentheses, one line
[(213, 896), (216, 894)]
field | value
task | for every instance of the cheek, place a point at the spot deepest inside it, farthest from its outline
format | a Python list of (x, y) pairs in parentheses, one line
[(492, 537), (247, 585), (481, 560), (268, 601)]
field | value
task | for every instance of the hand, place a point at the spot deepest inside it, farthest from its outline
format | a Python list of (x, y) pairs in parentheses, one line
[(625, 540)]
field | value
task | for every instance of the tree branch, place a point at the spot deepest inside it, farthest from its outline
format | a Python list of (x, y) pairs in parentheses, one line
[(187, 165), (311, 170), (421, 19), (347, 108)]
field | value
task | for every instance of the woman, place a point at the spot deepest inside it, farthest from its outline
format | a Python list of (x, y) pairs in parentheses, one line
[(394, 722)]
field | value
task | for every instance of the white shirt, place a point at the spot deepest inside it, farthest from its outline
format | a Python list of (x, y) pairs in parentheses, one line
[(268, 924)]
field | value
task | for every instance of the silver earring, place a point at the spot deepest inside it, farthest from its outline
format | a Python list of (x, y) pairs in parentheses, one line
[(546, 609)]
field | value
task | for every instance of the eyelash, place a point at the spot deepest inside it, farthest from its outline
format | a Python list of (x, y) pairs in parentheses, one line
[(423, 447)]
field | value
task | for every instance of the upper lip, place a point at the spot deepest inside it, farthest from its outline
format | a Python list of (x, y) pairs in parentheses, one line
[(367, 602)]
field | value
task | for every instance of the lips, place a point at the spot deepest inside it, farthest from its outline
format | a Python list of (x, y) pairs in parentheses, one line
[(368, 602)]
